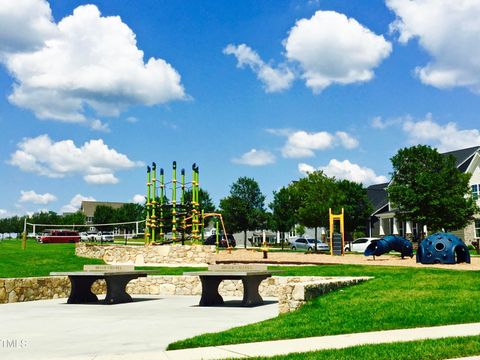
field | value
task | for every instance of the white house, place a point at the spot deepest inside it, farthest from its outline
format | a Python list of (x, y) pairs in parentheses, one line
[(383, 221)]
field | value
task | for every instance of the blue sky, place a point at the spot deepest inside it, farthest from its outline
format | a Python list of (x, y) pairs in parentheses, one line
[(92, 92)]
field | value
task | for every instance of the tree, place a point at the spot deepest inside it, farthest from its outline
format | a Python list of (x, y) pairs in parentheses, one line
[(244, 209), (76, 218), (103, 215), (284, 206), (129, 212), (206, 203), (315, 194), (352, 197), (427, 188)]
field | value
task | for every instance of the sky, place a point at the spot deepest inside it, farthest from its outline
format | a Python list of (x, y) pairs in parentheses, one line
[(91, 92)]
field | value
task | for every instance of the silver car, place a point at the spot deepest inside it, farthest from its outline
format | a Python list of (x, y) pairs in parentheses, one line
[(308, 244)]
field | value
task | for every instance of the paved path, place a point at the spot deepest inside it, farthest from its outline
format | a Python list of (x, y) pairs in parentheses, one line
[(283, 347), (52, 329)]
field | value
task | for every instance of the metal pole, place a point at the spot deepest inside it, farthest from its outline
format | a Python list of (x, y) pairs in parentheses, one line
[(174, 202), (182, 202), (162, 196), (24, 235), (148, 205), (154, 201), (217, 230)]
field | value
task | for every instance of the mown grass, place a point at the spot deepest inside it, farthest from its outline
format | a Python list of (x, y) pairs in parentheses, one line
[(398, 297), (416, 350), (38, 259)]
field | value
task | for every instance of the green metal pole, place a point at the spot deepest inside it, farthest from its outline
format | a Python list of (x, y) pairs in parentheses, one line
[(148, 205), (162, 195), (153, 219), (217, 230), (184, 213), (202, 227), (174, 202), (194, 204)]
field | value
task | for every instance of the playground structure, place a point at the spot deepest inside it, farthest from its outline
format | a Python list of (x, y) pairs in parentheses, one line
[(185, 217), (389, 243), (442, 248), (337, 241)]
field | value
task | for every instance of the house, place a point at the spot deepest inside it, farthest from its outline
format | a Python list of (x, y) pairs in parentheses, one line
[(383, 220), (88, 208)]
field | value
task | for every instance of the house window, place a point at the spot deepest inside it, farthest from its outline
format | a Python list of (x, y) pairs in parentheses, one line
[(476, 191), (477, 228)]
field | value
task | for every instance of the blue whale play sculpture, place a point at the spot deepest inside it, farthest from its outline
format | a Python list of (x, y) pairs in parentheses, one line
[(442, 248), (389, 243)]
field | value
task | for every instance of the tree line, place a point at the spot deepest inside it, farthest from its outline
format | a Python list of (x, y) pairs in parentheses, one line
[(426, 188)]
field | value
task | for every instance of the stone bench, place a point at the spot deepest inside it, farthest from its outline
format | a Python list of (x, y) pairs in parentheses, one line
[(250, 275), (116, 278)]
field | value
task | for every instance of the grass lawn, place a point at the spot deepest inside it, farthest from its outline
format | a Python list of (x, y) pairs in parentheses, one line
[(416, 350), (38, 259), (398, 297)]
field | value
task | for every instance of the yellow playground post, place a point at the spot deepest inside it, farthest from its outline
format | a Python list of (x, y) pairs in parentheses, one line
[(337, 244)]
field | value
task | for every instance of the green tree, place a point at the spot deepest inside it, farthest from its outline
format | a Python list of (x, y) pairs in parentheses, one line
[(244, 209), (427, 188), (129, 212), (206, 203), (284, 207), (315, 194), (103, 215), (76, 218), (352, 197)]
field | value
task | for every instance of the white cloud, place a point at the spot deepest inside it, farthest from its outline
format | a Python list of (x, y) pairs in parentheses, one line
[(101, 179), (138, 199), (379, 123), (99, 126), (346, 170), (85, 61), (304, 144), (75, 203), (132, 119), (26, 24), (32, 197), (332, 48), (255, 157), (449, 31), (273, 79), (94, 160), (3, 213), (444, 137)]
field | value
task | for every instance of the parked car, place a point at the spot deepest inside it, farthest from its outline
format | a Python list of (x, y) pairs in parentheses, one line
[(91, 235), (60, 236), (83, 236), (104, 236), (360, 244), (307, 244), (212, 240)]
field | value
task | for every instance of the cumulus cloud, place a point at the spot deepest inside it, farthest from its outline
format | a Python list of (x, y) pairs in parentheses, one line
[(94, 160), (26, 24), (304, 144), (85, 61), (75, 203), (273, 79), (346, 170), (379, 123), (138, 199), (332, 48), (444, 137), (329, 48), (32, 197), (448, 31), (3, 213), (255, 157)]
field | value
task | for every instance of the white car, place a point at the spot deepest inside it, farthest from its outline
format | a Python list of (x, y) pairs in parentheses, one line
[(360, 244), (104, 236), (308, 244)]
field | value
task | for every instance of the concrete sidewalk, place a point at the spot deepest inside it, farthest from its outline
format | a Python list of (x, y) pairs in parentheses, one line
[(283, 347)]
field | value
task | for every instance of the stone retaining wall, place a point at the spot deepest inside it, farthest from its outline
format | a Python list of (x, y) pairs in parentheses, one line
[(139, 255), (291, 291)]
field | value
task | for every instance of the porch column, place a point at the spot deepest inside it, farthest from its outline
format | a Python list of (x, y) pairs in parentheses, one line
[(425, 230), (381, 230), (408, 230), (395, 226), (278, 237)]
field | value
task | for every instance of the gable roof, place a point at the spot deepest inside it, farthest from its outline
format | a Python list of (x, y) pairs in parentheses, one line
[(377, 194), (463, 156)]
